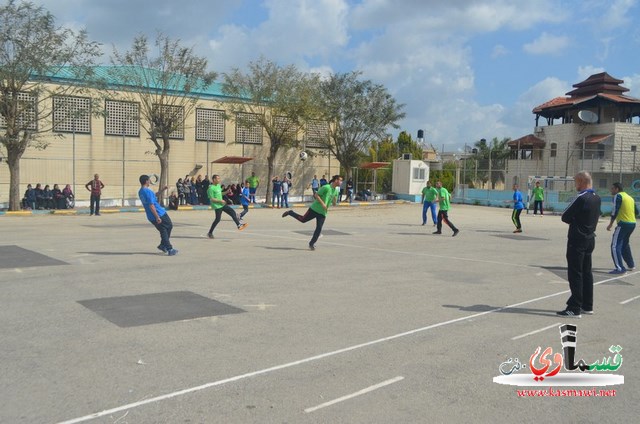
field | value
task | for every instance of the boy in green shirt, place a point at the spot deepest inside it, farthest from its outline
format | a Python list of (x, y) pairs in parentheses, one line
[(538, 197), (319, 208), (214, 193), (443, 214), (429, 196)]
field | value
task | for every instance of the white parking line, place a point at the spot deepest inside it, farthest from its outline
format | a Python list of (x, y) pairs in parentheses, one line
[(313, 358), (352, 395), (629, 300), (535, 331)]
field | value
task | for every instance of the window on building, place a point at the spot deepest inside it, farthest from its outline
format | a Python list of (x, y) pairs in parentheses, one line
[(285, 126), (633, 148), (554, 150), (174, 114), (72, 114), (600, 153), (209, 125), (316, 134), (419, 174), (122, 118), (602, 183), (248, 129), (27, 116)]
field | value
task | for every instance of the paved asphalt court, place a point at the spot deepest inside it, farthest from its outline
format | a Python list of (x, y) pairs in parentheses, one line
[(383, 323)]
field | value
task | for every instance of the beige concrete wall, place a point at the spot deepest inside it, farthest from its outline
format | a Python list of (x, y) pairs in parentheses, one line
[(102, 154)]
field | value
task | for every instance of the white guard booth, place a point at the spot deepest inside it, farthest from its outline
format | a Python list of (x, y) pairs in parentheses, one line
[(409, 178)]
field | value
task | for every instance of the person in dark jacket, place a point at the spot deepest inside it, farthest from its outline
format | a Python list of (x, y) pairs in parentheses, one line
[(58, 198), (39, 196), (582, 216), (47, 197), (30, 198)]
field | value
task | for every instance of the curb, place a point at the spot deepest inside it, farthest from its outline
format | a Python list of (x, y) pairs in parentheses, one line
[(83, 211)]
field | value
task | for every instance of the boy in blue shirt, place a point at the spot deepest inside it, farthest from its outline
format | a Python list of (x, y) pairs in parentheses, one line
[(518, 205), (156, 215), (244, 199)]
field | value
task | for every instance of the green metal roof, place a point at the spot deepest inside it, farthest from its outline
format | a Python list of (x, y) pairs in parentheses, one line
[(103, 75)]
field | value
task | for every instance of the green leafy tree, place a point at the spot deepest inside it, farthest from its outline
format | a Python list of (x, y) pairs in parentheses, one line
[(166, 85), (33, 48), (358, 112), (447, 175), (279, 100), (492, 158), (406, 144)]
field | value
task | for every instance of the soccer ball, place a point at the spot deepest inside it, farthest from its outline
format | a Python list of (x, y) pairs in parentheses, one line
[(303, 155)]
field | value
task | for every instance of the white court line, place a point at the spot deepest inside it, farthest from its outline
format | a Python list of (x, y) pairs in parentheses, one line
[(311, 358), (401, 252), (352, 395), (535, 331), (629, 300)]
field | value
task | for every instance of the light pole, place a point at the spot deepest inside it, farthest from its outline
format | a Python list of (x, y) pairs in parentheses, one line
[(124, 123), (73, 172)]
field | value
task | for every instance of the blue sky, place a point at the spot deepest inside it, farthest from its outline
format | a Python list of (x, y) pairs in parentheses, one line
[(465, 69)]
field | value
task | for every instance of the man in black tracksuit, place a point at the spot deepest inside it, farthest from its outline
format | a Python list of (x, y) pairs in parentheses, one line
[(582, 216)]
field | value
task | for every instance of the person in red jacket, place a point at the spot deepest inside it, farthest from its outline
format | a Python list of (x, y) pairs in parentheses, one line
[(95, 186)]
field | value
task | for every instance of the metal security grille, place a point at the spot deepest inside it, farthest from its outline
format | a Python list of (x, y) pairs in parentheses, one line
[(122, 118), (248, 130), (27, 119), (209, 125), (285, 125), (72, 114), (176, 113), (317, 134)]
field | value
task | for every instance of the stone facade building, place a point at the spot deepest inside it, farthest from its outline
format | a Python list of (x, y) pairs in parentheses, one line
[(592, 128)]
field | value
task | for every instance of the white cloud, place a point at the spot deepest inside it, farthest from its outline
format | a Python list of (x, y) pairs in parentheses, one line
[(547, 44), (585, 72), (291, 33), (618, 13), (632, 82), (520, 115), (498, 51)]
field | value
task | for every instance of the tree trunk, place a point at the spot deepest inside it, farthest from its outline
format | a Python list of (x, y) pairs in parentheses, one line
[(270, 165), (13, 161), (163, 156)]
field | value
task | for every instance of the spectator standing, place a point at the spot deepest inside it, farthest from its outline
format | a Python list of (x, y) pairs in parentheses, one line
[(286, 185), (180, 190), (254, 183), (624, 212), (323, 181), (350, 191), (315, 184), (199, 193), (276, 195), (95, 186), (582, 216), (194, 191)]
